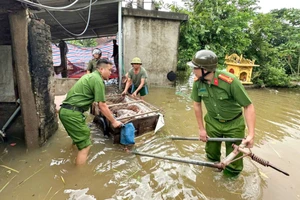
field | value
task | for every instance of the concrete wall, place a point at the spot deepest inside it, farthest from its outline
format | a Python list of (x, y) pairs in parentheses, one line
[(63, 85), (153, 36), (7, 93)]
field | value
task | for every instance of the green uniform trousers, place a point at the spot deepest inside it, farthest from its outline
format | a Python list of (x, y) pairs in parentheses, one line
[(75, 125), (143, 91), (230, 129)]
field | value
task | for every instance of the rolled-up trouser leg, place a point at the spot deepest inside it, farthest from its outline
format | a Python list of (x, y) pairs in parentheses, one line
[(75, 125), (231, 129)]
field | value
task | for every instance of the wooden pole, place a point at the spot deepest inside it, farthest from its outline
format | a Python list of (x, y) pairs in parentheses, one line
[(121, 104), (133, 116), (63, 48), (19, 33)]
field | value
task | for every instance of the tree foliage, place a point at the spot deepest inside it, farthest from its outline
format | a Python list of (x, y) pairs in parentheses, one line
[(219, 25), (84, 42), (275, 43), (236, 26)]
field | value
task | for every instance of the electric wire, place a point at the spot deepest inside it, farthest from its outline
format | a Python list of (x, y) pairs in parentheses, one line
[(79, 9), (87, 24), (47, 7)]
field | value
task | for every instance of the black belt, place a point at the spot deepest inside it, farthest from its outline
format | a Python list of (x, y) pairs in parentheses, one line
[(70, 107), (223, 120)]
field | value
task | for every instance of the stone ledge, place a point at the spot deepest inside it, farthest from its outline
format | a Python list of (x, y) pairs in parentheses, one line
[(154, 14)]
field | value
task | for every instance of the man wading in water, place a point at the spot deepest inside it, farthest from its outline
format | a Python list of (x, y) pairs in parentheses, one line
[(137, 79), (88, 89), (224, 98)]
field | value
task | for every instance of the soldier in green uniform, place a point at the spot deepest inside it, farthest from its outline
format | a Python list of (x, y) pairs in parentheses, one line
[(88, 89), (137, 79), (224, 98), (97, 53)]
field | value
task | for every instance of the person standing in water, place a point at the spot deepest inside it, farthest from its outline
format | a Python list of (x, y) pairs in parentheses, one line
[(88, 89), (225, 98), (137, 79)]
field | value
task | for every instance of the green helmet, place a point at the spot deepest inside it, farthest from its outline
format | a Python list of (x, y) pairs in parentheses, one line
[(136, 60), (205, 59)]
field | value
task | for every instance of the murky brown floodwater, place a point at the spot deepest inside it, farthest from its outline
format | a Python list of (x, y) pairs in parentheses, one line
[(49, 172)]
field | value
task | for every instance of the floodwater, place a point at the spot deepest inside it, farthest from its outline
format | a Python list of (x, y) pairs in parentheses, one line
[(111, 173)]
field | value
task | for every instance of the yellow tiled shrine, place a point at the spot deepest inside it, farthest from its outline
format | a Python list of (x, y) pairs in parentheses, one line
[(240, 67)]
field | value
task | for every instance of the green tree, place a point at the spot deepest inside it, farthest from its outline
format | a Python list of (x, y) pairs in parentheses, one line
[(235, 26), (84, 42), (219, 25), (290, 49), (277, 77), (275, 43), (262, 33)]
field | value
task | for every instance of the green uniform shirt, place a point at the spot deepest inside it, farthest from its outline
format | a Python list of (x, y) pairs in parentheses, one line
[(222, 100), (136, 78), (88, 89), (92, 65)]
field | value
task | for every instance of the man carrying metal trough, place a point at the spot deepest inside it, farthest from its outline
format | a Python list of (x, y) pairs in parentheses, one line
[(224, 97), (88, 89)]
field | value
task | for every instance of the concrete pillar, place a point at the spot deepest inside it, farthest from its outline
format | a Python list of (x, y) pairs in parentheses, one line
[(41, 72), (140, 4), (19, 34)]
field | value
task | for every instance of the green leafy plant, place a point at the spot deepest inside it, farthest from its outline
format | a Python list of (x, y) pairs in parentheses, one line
[(84, 42), (158, 4), (277, 77)]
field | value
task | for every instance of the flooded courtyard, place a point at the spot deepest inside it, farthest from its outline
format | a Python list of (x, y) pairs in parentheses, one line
[(111, 173)]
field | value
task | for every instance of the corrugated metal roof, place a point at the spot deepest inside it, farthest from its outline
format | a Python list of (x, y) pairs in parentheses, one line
[(103, 20)]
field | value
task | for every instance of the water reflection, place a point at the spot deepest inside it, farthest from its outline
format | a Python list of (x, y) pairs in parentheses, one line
[(79, 194), (111, 173)]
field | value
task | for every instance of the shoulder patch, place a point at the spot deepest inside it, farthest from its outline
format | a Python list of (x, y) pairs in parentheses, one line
[(216, 81), (225, 78)]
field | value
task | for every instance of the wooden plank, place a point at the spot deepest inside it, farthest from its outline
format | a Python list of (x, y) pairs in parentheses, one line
[(119, 104), (133, 116), (19, 33)]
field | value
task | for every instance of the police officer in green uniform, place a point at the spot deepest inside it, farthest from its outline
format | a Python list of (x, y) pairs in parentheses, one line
[(224, 98), (97, 53), (137, 79), (88, 89)]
